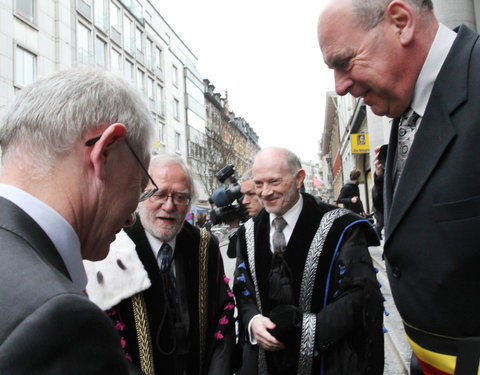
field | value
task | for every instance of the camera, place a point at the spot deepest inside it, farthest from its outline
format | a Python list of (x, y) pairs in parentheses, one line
[(223, 198)]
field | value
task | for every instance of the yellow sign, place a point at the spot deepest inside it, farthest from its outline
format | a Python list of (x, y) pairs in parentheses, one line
[(360, 143)]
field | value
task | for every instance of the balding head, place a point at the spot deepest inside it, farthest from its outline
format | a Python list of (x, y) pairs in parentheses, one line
[(278, 175)]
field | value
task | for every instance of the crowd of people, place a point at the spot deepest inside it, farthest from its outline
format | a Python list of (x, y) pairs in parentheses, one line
[(102, 274)]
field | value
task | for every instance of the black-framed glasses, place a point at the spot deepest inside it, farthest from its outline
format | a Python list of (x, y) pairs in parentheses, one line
[(178, 199), (147, 193)]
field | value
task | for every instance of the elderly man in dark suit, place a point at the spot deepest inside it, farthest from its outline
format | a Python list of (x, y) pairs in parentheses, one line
[(68, 141), (168, 277), (306, 289), (408, 66)]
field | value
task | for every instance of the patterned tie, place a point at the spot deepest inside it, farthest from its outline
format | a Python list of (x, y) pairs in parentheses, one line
[(165, 255), (278, 239), (280, 276), (166, 269), (406, 134)]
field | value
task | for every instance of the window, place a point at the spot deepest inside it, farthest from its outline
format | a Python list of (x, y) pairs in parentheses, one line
[(158, 58), (141, 81), (174, 75), (160, 100), (150, 89), (100, 55), (161, 131), (177, 142), (139, 39), (115, 17), (176, 109), (149, 51), (129, 70), (128, 41), (101, 19), (83, 45), (25, 9), (116, 61), (24, 67)]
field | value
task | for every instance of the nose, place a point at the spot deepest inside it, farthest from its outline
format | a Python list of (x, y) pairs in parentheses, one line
[(265, 191), (168, 205), (131, 220), (343, 83)]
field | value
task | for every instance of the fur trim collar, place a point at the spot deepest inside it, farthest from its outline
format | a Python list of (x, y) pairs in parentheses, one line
[(119, 276)]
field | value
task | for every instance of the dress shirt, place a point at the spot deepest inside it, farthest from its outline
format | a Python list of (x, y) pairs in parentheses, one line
[(60, 232), (156, 244), (431, 68), (291, 217)]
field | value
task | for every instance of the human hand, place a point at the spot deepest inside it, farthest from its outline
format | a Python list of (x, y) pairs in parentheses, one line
[(259, 327), (355, 199), (379, 170)]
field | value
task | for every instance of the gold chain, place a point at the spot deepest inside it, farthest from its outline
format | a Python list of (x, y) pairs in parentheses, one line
[(203, 292), (143, 334)]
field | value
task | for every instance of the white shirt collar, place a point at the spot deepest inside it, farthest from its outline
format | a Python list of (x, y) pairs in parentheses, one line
[(291, 217), (431, 68), (156, 244), (59, 231)]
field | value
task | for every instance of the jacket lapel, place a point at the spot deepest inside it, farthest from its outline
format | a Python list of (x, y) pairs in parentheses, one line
[(435, 132)]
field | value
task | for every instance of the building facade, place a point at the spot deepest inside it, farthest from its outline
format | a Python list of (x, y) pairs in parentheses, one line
[(128, 37)]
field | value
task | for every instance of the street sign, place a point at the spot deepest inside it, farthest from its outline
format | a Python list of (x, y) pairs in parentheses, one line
[(360, 143)]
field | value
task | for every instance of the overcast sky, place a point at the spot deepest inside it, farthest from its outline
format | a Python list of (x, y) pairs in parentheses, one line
[(266, 54)]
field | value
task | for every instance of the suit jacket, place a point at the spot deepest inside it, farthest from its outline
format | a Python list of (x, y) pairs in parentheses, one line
[(349, 344), (432, 221), (220, 322), (48, 326)]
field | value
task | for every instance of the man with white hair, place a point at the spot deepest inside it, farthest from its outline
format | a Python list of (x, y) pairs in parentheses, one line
[(68, 142), (164, 284)]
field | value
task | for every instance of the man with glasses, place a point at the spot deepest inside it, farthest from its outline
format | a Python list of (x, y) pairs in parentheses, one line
[(63, 196), (164, 286), (305, 285)]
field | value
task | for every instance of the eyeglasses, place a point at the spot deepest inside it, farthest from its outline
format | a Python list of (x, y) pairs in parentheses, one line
[(147, 193), (178, 199)]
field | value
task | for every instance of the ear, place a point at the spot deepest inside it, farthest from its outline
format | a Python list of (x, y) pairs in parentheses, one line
[(111, 138), (401, 17), (300, 178)]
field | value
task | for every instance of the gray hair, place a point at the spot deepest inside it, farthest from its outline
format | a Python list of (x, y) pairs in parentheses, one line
[(369, 13), (48, 117), (248, 175), (293, 162), (165, 159)]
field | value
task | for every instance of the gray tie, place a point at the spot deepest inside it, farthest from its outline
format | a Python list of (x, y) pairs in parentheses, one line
[(278, 240), (406, 134)]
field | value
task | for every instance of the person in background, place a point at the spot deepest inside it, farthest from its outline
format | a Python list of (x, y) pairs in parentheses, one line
[(164, 284), (408, 66), (253, 206), (305, 285), (350, 194), (68, 142)]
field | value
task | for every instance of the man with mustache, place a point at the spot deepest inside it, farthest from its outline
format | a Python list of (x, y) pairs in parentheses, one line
[(164, 284), (305, 285)]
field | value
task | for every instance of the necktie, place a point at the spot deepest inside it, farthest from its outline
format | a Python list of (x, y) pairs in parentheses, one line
[(280, 276), (278, 239), (166, 270), (406, 134), (165, 255)]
